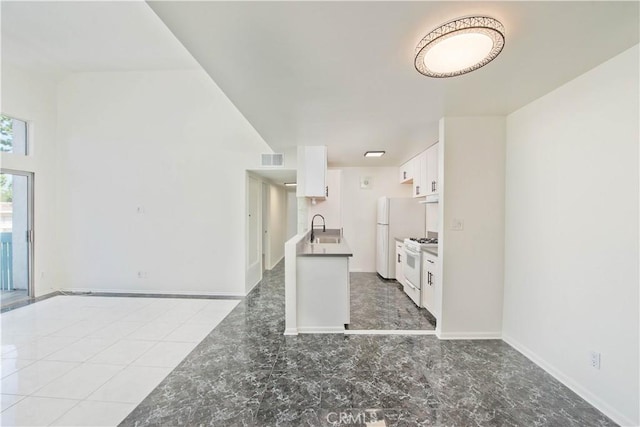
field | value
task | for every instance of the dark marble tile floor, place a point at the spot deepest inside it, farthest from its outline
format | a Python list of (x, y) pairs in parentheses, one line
[(377, 303), (245, 373)]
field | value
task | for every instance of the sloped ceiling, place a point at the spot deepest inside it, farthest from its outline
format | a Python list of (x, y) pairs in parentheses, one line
[(341, 73)]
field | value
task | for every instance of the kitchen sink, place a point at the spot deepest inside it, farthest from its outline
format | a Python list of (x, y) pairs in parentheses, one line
[(327, 239)]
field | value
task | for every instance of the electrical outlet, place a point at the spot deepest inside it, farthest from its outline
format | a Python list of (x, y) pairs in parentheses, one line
[(457, 224), (142, 274), (595, 360)]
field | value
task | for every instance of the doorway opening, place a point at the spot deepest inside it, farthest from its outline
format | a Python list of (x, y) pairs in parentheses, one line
[(268, 221), (16, 236)]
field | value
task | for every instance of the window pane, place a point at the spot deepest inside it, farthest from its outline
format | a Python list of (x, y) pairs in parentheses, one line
[(13, 135)]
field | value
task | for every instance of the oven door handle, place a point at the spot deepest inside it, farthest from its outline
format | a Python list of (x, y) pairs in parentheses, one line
[(411, 285)]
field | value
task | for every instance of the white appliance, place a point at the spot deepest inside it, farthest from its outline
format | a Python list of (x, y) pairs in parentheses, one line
[(412, 266), (397, 217)]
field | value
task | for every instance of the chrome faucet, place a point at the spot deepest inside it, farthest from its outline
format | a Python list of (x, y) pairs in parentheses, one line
[(324, 226)]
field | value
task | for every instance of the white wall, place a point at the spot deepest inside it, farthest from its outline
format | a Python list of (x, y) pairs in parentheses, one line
[(471, 158), (171, 143), (277, 224), (32, 97), (571, 274), (359, 210), (292, 214)]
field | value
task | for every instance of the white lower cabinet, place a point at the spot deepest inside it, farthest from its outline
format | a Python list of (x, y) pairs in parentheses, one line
[(430, 280), (399, 261)]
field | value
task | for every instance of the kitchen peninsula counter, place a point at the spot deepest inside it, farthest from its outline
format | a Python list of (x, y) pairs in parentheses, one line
[(317, 286)]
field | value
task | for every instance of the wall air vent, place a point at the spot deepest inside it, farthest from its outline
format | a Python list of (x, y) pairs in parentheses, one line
[(275, 160)]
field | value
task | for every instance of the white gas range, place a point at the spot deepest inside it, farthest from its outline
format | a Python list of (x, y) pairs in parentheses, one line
[(412, 266)]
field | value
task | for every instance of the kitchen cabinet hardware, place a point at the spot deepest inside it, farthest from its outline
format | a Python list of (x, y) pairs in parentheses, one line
[(326, 191)]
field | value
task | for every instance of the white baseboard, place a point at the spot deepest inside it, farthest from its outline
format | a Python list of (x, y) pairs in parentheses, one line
[(386, 332), (47, 294), (469, 335), (321, 330), (592, 399), (276, 263), (291, 331), (252, 286), (154, 292)]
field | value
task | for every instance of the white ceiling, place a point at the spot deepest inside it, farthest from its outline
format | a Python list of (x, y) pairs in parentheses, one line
[(341, 73), (332, 73), (76, 36), (279, 176)]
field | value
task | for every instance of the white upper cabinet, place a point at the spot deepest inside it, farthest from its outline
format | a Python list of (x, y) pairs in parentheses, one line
[(422, 172), (432, 170), (331, 206), (420, 175), (406, 172), (312, 171)]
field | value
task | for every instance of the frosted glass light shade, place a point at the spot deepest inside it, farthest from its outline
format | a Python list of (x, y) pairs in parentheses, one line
[(459, 47)]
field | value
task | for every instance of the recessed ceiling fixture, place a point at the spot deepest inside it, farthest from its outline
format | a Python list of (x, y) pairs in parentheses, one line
[(459, 46), (290, 184), (374, 153)]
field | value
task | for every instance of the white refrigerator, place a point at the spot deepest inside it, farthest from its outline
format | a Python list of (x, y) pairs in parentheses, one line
[(397, 217)]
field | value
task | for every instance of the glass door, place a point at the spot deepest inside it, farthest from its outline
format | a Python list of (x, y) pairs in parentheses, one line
[(16, 235)]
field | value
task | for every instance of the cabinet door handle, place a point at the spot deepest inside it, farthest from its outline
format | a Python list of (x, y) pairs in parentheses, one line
[(417, 189), (404, 174), (398, 257), (326, 191), (430, 261)]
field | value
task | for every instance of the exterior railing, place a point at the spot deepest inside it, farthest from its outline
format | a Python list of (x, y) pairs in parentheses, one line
[(6, 261)]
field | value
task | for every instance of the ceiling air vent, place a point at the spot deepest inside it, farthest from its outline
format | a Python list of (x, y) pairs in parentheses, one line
[(275, 160)]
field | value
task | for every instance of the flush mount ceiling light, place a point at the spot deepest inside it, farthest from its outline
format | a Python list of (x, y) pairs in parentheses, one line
[(459, 47), (374, 153), (290, 184)]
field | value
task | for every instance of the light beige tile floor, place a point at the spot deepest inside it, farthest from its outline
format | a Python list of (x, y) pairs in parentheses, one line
[(79, 360)]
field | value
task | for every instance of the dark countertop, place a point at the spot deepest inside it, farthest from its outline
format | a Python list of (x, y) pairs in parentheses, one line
[(432, 251), (325, 249)]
